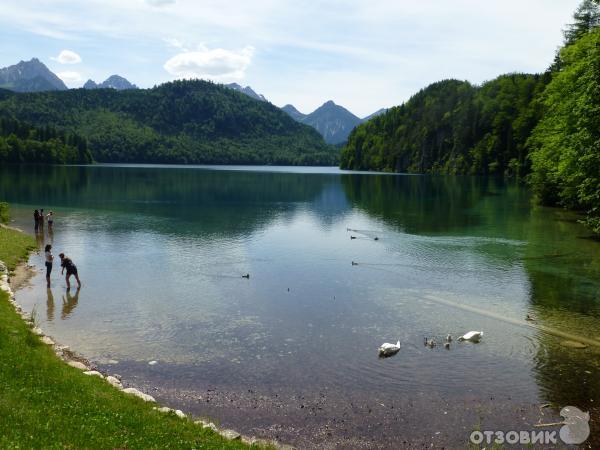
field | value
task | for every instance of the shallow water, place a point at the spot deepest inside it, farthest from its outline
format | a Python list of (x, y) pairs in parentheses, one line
[(161, 252)]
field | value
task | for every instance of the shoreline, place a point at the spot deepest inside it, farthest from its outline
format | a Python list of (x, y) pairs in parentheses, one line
[(22, 273), (233, 407), (319, 427)]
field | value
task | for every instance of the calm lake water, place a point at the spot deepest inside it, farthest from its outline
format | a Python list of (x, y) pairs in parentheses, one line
[(291, 352)]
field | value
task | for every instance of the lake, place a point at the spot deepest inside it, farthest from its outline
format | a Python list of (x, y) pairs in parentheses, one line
[(338, 263)]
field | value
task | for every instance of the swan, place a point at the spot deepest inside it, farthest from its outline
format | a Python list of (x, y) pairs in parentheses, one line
[(246, 276), (388, 349), (448, 338), (473, 336), (447, 345)]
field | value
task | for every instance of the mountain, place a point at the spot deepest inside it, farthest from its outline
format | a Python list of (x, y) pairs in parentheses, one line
[(293, 112), (375, 114), (332, 121), (246, 90), (30, 76), (113, 82), (184, 122)]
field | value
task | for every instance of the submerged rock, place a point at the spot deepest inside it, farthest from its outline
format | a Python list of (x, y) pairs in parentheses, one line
[(134, 391), (574, 344)]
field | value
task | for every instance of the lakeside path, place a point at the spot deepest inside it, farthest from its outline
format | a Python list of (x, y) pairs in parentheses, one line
[(47, 403)]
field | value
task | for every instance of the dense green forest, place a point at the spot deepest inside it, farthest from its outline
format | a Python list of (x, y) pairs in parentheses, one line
[(178, 122), (452, 127), (21, 142), (543, 127)]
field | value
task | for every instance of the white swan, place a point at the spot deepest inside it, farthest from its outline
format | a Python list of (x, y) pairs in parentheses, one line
[(473, 336), (388, 349)]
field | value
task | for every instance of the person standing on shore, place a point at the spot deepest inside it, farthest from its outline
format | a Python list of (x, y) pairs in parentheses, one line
[(49, 259), (36, 219), (42, 218), (66, 263)]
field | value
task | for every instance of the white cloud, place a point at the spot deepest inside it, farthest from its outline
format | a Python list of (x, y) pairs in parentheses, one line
[(176, 43), (159, 2), (70, 77), (216, 64), (67, 57)]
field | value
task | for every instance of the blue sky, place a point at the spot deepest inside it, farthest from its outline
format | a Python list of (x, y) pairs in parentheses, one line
[(363, 55)]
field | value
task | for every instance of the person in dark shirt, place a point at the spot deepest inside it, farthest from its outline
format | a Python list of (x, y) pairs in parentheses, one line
[(66, 263), (36, 219)]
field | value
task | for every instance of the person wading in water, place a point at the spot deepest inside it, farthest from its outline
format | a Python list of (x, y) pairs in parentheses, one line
[(49, 259), (66, 263)]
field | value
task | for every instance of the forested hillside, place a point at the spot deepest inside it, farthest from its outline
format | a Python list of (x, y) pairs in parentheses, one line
[(545, 127), (565, 146), (179, 122), (452, 127), (23, 143)]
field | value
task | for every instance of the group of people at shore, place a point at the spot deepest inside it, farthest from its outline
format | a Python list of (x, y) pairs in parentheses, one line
[(65, 262), (39, 219)]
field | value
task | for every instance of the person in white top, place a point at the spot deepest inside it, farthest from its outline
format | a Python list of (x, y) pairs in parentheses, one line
[(49, 260)]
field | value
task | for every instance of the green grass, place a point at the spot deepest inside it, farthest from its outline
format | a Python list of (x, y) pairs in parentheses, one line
[(45, 403), (14, 246)]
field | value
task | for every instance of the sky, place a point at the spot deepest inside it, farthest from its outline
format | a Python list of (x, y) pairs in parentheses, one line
[(363, 55)]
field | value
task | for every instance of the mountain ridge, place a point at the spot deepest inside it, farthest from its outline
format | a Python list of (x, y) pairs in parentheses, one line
[(113, 82), (30, 76)]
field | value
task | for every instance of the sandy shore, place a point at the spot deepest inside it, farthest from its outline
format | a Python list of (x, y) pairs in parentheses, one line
[(21, 276)]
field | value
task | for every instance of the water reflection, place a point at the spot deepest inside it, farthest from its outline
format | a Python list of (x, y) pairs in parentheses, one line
[(562, 270), (69, 303), (49, 305), (218, 203), (163, 251)]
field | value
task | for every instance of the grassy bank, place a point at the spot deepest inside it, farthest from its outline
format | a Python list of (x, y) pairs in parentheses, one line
[(44, 403)]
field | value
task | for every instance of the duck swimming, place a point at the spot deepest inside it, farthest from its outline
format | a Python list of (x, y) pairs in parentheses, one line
[(430, 342), (388, 349), (473, 336)]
